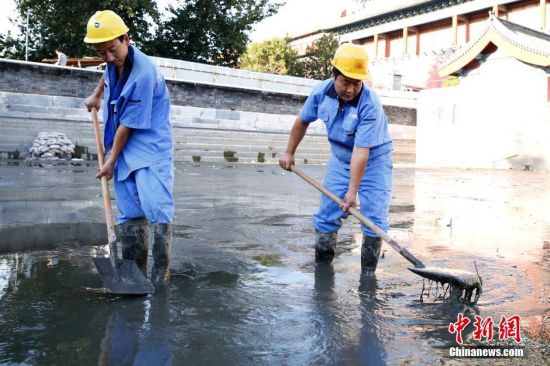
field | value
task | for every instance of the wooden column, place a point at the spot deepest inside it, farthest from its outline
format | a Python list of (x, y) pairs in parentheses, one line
[(405, 40), (454, 39), (466, 21), (542, 8), (387, 41), (375, 45), (387, 51)]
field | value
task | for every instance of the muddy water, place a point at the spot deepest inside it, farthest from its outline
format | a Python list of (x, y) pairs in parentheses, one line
[(244, 287)]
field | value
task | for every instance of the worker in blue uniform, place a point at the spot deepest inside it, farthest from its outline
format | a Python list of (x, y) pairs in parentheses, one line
[(138, 141), (361, 147)]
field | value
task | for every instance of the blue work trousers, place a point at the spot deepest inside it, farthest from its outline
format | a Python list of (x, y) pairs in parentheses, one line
[(147, 192), (374, 194)]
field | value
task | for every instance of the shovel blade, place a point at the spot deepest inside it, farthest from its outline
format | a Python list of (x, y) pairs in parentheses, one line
[(126, 279)]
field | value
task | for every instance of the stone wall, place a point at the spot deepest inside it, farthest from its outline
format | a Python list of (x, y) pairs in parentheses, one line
[(211, 122), (201, 134), (42, 79)]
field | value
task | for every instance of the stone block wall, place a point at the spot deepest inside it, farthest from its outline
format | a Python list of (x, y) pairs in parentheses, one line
[(42, 79), (211, 123)]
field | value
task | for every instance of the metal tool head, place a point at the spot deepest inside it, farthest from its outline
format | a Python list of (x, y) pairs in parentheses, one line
[(127, 279), (461, 283)]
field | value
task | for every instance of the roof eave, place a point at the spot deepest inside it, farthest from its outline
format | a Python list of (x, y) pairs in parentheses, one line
[(495, 33)]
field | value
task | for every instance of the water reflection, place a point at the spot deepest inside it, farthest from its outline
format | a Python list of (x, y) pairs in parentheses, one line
[(324, 301), (139, 334), (348, 334), (491, 213), (243, 286), (371, 346)]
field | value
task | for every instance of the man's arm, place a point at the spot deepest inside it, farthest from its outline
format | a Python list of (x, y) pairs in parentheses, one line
[(296, 135), (358, 164), (94, 100), (121, 137)]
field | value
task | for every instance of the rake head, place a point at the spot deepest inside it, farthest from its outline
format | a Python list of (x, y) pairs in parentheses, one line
[(461, 285)]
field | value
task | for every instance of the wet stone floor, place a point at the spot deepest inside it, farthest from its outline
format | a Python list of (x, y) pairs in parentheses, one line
[(244, 288)]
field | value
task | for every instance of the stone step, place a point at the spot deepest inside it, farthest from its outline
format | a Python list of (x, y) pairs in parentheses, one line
[(223, 133), (42, 116), (208, 144), (244, 153), (41, 100), (50, 110), (25, 134), (399, 157), (219, 159), (229, 155), (236, 147), (6, 146)]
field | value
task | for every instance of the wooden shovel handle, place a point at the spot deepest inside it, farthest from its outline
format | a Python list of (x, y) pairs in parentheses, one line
[(104, 182), (365, 221)]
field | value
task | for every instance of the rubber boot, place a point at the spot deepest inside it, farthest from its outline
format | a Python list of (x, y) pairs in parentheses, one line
[(162, 242), (134, 238), (370, 252), (325, 245)]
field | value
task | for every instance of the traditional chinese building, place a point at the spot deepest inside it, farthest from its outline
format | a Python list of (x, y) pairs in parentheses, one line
[(498, 114), (408, 40)]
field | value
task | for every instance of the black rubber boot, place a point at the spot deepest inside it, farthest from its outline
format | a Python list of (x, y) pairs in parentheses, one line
[(162, 242), (325, 245), (370, 252), (134, 238)]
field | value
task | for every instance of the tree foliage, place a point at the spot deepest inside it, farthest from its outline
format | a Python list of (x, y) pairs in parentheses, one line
[(60, 24), (318, 57), (277, 56), (9, 46), (274, 56), (211, 31)]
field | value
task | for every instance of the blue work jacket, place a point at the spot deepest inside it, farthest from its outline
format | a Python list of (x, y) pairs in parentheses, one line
[(360, 122), (143, 106)]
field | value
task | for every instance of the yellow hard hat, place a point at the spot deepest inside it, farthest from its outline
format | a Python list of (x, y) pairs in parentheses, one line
[(352, 60), (104, 26)]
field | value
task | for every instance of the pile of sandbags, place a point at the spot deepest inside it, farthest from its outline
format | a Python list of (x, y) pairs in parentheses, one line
[(52, 145)]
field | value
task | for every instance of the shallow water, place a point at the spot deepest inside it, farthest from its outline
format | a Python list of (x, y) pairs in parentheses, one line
[(244, 287)]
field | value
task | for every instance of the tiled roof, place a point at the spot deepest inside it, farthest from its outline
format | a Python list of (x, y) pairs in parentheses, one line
[(525, 44), (385, 11)]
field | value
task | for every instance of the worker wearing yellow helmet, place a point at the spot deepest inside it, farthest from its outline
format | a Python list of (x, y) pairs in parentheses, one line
[(361, 160), (138, 139)]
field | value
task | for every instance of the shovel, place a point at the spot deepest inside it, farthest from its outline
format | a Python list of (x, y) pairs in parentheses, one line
[(462, 283), (118, 276)]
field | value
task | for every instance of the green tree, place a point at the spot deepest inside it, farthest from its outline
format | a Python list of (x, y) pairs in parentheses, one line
[(61, 24), (9, 46), (274, 56), (211, 31), (318, 57)]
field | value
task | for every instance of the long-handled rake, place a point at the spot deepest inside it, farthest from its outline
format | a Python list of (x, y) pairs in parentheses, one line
[(462, 284)]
